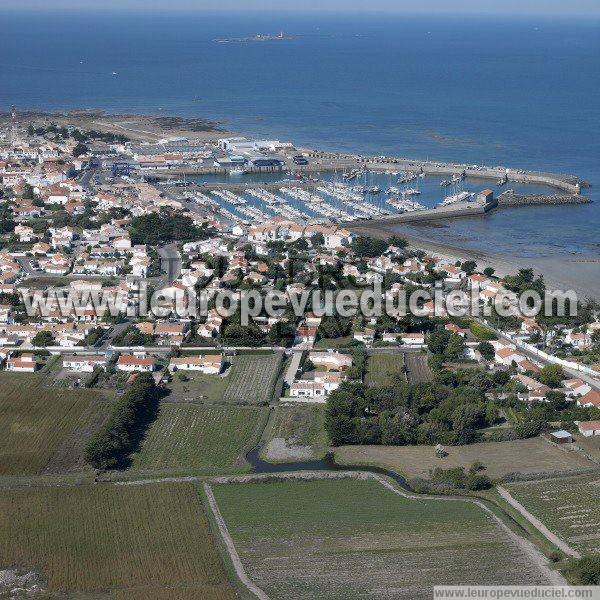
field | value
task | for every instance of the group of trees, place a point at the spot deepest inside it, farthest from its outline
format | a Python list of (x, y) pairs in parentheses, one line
[(166, 226), (448, 410), (136, 408), (444, 346)]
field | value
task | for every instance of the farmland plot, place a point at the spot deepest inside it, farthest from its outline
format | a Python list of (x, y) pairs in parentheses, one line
[(570, 507), (384, 368), (356, 539), (417, 369), (200, 438), (127, 541), (37, 421), (252, 378)]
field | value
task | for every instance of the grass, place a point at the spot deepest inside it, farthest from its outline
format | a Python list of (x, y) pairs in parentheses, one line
[(309, 539), (200, 439), (334, 343), (298, 432), (37, 422), (570, 507), (197, 388), (529, 456), (127, 541), (384, 368), (252, 378), (481, 332)]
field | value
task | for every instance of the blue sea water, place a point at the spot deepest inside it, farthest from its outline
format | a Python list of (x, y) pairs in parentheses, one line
[(524, 92)]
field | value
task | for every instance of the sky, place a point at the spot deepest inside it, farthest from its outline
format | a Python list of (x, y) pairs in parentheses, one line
[(505, 7)]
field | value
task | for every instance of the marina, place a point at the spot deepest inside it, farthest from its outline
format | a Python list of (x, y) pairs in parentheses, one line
[(330, 197)]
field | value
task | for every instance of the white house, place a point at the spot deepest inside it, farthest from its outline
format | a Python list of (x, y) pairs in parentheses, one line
[(131, 363), (589, 428), (210, 364), (84, 364)]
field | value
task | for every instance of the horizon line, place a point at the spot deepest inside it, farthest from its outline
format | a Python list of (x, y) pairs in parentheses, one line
[(458, 13)]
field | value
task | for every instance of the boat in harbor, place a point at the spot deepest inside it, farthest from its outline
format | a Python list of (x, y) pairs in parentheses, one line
[(411, 192), (458, 197)]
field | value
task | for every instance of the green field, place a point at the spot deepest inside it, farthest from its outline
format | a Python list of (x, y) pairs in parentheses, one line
[(570, 507), (129, 541), (384, 368), (296, 432), (356, 539), (200, 438), (41, 425), (252, 378)]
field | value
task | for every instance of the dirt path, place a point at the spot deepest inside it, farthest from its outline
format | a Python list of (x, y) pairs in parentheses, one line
[(537, 523), (233, 555)]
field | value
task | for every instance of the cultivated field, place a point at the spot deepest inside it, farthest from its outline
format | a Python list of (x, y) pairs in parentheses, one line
[(570, 507), (384, 368), (417, 369), (356, 539), (200, 438), (296, 433), (534, 455), (252, 378), (42, 425), (120, 541)]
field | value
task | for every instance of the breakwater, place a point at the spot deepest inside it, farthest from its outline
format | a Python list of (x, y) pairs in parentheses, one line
[(567, 183), (457, 210), (510, 198)]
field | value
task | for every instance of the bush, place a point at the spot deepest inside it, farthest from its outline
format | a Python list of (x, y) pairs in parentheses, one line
[(584, 571), (476, 482)]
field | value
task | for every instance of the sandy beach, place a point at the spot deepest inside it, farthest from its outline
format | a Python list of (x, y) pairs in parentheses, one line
[(581, 274)]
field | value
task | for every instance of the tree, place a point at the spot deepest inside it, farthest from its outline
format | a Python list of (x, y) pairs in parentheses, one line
[(43, 338), (455, 348), (398, 241), (368, 247), (80, 149), (552, 375), (469, 267), (489, 271), (486, 350), (437, 341)]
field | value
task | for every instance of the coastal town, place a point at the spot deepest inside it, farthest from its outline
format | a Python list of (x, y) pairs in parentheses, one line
[(94, 213)]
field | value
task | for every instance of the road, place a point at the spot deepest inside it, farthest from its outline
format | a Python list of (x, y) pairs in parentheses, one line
[(594, 383), (290, 373), (170, 263)]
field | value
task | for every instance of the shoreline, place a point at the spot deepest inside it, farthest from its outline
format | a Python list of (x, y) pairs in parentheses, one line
[(580, 276), (564, 272)]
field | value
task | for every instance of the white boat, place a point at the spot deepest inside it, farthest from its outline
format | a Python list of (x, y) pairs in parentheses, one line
[(411, 192), (459, 197)]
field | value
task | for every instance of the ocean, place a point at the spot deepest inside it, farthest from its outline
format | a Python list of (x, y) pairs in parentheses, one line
[(522, 92)]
